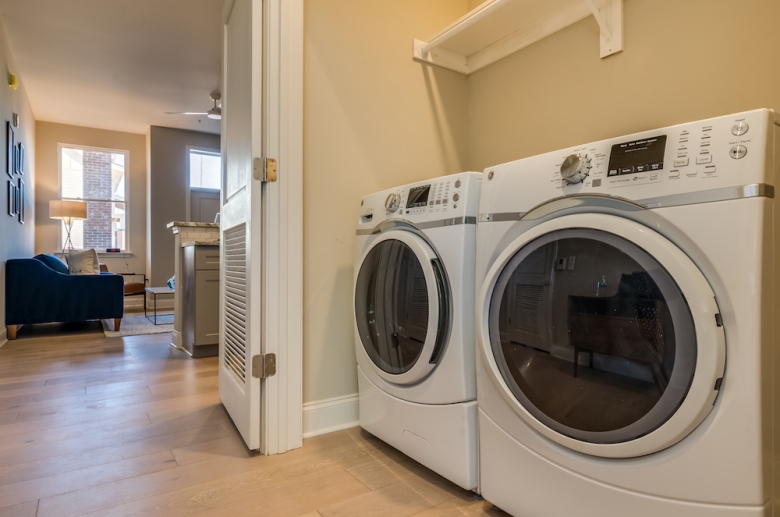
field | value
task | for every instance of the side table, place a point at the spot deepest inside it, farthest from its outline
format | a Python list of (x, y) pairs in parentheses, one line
[(154, 291)]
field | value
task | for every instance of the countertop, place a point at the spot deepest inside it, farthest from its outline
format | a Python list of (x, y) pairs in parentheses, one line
[(193, 225), (213, 242)]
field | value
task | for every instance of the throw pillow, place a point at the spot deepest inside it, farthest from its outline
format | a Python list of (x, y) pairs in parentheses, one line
[(83, 262), (54, 263)]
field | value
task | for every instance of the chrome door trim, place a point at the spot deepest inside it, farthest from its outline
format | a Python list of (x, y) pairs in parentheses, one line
[(394, 223), (690, 198)]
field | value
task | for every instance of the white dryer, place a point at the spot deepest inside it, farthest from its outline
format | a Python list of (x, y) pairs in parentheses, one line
[(627, 349), (414, 322)]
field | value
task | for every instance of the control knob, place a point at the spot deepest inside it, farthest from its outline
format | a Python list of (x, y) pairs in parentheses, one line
[(392, 202), (575, 168)]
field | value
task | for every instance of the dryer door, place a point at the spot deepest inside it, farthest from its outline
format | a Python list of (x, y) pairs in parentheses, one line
[(402, 306), (621, 351)]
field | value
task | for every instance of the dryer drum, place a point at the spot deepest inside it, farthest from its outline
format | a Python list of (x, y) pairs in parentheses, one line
[(392, 306), (604, 352)]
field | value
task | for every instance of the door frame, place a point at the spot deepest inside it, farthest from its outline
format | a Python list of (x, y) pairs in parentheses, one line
[(281, 294)]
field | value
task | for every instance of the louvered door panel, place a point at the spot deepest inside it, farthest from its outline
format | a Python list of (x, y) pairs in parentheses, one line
[(235, 301)]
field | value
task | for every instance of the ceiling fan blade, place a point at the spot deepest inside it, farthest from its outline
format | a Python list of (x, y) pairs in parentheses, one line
[(183, 113)]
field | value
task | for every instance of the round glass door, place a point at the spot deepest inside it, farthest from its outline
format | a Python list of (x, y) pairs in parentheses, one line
[(401, 310), (592, 335)]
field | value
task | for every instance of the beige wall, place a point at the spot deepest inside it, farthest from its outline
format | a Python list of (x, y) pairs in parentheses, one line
[(683, 61), (48, 136), (373, 119), (16, 240)]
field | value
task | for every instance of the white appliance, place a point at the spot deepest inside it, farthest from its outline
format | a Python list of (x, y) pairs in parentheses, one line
[(414, 322), (627, 325)]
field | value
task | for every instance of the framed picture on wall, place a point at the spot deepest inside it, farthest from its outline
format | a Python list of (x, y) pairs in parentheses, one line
[(10, 149), (11, 197), (19, 158), (20, 206)]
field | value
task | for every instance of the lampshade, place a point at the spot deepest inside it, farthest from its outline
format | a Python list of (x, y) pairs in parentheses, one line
[(60, 209)]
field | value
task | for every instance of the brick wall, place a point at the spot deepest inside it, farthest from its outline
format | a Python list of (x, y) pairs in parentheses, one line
[(97, 185)]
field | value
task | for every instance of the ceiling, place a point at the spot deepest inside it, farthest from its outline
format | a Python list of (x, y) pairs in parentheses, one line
[(118, 64)]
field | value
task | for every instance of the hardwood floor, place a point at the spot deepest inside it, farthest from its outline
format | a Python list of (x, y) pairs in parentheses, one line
[(114, 427)]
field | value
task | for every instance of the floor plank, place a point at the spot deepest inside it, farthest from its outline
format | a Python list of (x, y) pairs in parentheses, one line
[(120, 427)]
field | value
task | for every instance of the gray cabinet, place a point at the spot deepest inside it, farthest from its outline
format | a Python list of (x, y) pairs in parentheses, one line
[(200, 299)]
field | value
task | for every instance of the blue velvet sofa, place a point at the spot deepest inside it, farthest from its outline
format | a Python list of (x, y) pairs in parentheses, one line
[(40, 290)]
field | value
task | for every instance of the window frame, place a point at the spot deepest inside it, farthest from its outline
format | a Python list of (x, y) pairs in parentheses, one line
[(190, 189), (126, 201)]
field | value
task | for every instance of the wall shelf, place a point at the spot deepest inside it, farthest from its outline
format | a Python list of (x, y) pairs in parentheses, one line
[(498, 28)]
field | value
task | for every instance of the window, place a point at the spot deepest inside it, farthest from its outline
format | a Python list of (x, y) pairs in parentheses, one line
[(205, 169), (97, 177)]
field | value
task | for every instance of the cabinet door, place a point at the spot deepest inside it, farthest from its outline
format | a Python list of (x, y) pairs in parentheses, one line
[(207, 307)]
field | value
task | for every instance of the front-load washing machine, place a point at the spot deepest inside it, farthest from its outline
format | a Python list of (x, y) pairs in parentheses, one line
[(414, 322), (627, 360)]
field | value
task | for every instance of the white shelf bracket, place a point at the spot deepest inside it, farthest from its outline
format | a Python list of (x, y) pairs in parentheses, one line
[(610, 20)]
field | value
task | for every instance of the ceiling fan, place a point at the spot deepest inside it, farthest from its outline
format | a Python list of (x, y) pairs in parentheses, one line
[(215, 112)]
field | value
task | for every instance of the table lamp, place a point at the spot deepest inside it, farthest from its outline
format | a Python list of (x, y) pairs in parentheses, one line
[(67, 211)]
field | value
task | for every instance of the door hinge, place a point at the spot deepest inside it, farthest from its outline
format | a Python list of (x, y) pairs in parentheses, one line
[(263, 366), (264, 169)]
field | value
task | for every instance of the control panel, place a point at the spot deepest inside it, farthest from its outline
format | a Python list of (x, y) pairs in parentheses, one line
[(703, 155), (441, 198)]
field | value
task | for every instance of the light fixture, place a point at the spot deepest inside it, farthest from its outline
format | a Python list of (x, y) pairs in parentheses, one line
[(13, 81), (68, 212), (215, 112)]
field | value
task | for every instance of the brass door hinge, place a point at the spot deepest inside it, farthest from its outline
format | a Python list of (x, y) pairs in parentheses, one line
[(264, 169), (264, 366)]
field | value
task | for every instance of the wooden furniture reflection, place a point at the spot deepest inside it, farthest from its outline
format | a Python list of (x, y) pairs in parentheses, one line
[(630, 325)]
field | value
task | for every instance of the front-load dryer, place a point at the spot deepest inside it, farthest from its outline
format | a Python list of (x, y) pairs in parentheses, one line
[(627, 358), (414, 322)]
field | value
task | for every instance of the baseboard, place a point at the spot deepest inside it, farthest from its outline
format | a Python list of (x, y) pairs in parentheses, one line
[(3, 337), (176, 340), (327, 416)]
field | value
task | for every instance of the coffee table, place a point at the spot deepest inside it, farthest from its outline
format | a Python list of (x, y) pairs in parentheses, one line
[(154, 291)]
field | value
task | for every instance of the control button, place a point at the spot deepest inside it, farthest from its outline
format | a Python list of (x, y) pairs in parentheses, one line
[(740, 128), (454, 206), (707, 158), (456, 197), (596, 183), (656, 166), (738, 152), (710, 169), (692, 172), (438, 201), (653, 177), (681, 162), (393, 202), (674, 173), (626, 170), (612, 172), (457, 185), (446, 200), (642, 168)]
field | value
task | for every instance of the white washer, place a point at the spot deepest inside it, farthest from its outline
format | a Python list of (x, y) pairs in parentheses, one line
[(414, 322), (627, 325)]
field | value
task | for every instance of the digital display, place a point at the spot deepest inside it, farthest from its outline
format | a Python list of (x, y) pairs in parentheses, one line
[(418, 196), (644, 155)]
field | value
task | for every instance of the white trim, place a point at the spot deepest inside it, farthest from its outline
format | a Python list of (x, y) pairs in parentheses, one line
[(330, 415), (282, 279), (3, 337)]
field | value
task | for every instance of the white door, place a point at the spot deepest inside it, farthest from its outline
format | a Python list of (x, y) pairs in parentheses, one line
[(241, 218)]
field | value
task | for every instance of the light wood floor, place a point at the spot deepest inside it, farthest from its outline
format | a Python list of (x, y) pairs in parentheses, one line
[(129, 426)]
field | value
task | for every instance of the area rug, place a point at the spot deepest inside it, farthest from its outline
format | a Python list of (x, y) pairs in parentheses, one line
[(139, 326)]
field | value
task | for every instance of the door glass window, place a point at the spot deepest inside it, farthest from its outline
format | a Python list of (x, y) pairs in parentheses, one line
[(391, 306), (592, 336)]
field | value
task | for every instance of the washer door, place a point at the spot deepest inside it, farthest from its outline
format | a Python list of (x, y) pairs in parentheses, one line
[(402, 307), (603, 335)]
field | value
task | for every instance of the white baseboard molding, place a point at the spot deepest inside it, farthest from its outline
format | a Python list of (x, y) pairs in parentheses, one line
[(330, 415), (3, 337)]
